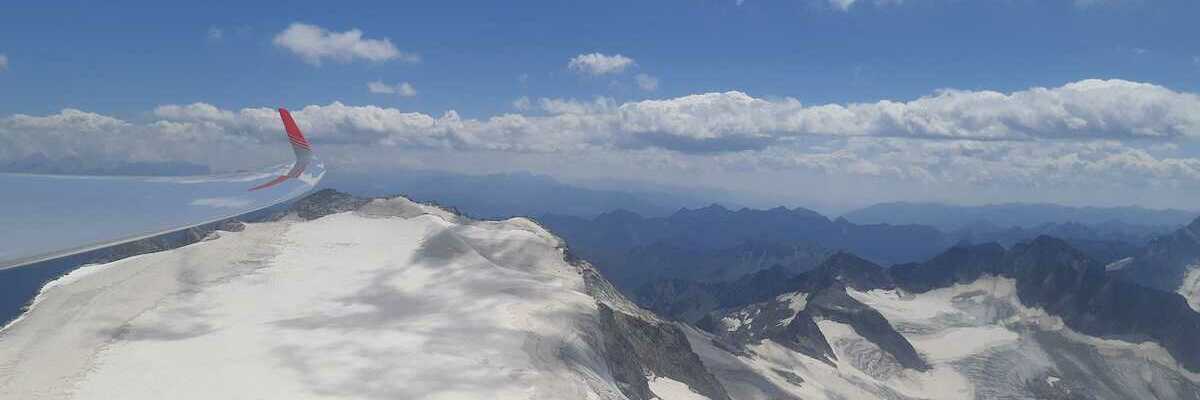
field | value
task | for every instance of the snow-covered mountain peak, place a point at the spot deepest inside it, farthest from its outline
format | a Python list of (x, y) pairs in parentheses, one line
[(384, 298)]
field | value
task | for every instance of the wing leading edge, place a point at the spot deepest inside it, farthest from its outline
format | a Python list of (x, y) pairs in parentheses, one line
[(51, 216)]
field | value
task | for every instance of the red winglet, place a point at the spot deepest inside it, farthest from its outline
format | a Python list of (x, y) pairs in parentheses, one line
[(273, 182), (300, 146), (293, 131)]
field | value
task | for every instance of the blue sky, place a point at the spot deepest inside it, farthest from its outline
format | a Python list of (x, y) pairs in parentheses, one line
[(126, 61)]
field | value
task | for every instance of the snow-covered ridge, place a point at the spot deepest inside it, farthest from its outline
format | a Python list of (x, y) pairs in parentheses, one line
[(67, 279), (979, 341), (391, 300)]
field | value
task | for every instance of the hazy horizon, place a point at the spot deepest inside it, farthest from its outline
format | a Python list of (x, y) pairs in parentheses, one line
[(827, 104)]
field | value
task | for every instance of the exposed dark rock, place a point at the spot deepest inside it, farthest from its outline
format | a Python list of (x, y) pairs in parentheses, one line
[(803, 336), (1049, 273), (690, 301), (325, 202), (637, 343), (660, 348), (1063, 281), (622, 358), (836, 305), (775, 320), (789, 376), (1166, 259), (824, 298), (231, 225), (960, 264), (684, 300), (850, 270)]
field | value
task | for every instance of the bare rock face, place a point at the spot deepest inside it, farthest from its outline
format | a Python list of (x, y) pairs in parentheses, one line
[(231, 225), (634, 346), (1166, 260), (836, 305), (1053, 276), (325, 202), (790, 318)]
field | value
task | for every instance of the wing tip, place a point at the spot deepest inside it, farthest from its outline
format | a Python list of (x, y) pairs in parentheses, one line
[(293, 131), (301, 146)]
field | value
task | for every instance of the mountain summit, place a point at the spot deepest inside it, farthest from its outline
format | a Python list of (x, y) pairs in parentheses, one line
[(349, 298)]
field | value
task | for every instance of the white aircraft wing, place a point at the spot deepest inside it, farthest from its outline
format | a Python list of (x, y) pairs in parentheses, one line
[(49, 216)]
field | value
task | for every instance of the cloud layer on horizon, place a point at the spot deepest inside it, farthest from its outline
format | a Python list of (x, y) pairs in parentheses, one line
[(1107, 132), (735, 121)]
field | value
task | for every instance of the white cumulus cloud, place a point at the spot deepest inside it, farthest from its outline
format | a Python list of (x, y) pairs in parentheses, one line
[(403, 89), (3, 62), (522, 103), (1104, 132), (599, 64), (713, 122), (314, 44), (646, 82), (194, 112)]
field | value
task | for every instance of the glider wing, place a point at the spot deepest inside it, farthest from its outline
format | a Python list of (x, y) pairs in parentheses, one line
[(49, 216)]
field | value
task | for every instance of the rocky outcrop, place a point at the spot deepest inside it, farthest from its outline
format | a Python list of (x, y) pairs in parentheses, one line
[(325, 202), (836, 305), (960, 264), (849, 270), (691, 301), (1053, 276), (1166, 259), (638, 343), (635, 346), (790, 317)]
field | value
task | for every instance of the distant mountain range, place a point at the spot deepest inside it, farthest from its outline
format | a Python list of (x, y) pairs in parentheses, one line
[(954, 217), (715, 243), (519, 194)]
